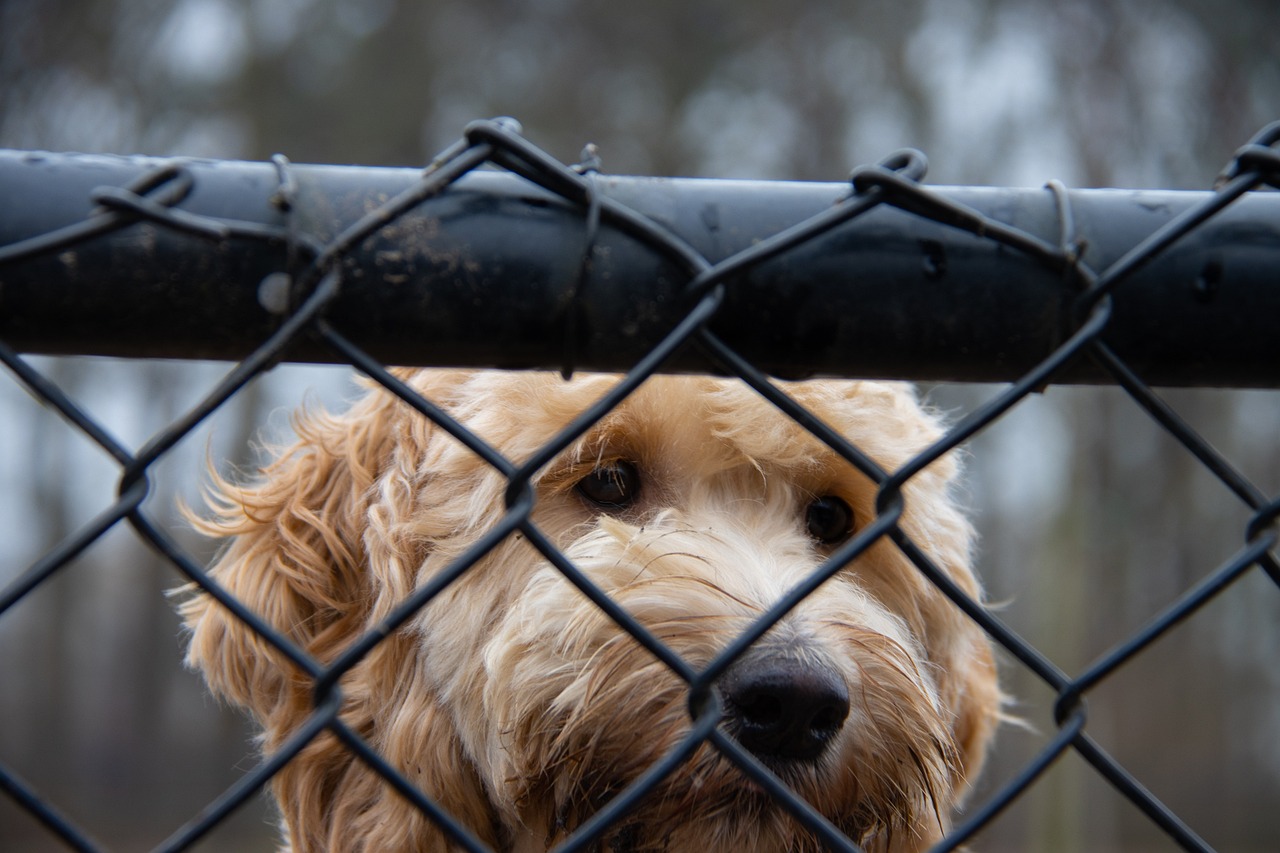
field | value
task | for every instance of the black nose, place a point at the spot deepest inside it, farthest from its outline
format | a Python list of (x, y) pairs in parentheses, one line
[(782, 709)]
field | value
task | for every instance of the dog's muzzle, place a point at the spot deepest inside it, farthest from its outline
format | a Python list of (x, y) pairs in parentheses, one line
[(782, 709)]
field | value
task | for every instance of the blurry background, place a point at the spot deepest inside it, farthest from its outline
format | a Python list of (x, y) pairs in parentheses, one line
[(1092, 519)]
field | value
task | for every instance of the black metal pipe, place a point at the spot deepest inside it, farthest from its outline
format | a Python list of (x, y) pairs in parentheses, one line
[(488, 273)]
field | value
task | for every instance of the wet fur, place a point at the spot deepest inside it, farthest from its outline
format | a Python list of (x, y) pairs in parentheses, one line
[(517, 705)]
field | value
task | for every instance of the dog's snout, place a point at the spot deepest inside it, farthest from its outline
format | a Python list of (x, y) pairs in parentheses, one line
[(782, 709)]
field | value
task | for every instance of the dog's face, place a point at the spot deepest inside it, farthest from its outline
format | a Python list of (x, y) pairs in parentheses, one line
[(518, 705)]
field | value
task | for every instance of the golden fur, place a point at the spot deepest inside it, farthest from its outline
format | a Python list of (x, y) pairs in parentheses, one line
[(519, 707)]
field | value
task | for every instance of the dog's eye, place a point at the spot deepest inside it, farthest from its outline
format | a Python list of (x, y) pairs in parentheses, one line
[(829, 519), (612, 486)]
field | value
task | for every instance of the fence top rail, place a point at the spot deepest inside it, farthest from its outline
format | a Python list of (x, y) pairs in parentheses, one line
[(143, 257)]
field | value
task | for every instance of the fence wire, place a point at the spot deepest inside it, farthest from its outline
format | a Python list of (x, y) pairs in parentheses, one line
[(316, 280)]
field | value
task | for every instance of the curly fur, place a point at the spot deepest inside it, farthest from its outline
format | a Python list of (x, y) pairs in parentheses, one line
[(519, 707)]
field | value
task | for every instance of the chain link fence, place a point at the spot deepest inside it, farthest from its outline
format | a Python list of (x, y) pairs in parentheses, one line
[(309, 306)]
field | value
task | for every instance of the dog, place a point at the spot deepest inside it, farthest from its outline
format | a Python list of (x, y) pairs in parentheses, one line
[(517, 705)]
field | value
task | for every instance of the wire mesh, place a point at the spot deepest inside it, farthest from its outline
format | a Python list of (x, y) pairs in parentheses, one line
[(315, 280)]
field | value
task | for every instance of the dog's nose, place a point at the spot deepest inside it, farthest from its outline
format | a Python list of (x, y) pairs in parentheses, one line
[(783, 709)]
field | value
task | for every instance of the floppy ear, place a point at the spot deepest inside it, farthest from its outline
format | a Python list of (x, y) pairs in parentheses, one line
[(967, 680), (956, 645), (972, 692), (294, 558), (313, 551), (934, 521)]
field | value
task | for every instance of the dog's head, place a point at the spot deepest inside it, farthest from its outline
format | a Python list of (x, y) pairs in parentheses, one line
[(518, 705)]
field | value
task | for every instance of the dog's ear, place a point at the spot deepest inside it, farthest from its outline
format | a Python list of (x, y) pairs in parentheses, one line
[(294, 557), (316, 544), (962, 653), (976, 701), (935, 522), (316, 548), (959, 648)]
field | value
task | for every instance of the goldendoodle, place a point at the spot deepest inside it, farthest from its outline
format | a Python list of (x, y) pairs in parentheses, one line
[(517, 705)]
